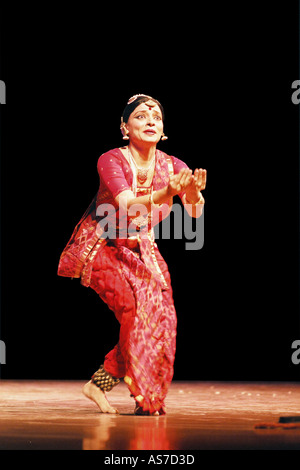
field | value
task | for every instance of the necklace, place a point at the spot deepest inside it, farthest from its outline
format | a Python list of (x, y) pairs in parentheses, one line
[(142, 173)]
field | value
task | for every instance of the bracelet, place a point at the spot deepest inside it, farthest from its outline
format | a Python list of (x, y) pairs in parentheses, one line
[(201, 201), (151, 202)]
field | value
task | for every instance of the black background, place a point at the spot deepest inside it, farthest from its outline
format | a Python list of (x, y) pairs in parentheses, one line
[(224, 77)]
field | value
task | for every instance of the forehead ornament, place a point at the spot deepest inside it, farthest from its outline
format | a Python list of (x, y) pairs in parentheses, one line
[(134, 97), (150, 104)]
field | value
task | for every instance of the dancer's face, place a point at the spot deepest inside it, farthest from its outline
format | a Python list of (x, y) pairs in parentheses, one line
[(145, 124)]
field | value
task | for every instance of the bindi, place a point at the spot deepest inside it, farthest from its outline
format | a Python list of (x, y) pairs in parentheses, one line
[(150, 104)]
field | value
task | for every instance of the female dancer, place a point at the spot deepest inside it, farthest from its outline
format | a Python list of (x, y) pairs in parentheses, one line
[(113, 251)]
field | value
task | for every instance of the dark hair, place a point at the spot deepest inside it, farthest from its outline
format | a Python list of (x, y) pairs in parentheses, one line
[(131, 105)]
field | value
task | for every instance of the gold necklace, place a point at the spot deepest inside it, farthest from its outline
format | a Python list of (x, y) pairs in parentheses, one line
[(142, 173)]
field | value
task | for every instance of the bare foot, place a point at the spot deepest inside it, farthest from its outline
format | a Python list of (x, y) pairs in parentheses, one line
[(93, 392)]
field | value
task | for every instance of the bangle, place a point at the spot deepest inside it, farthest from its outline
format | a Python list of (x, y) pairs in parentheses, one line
[(201, 201), (151, 202)]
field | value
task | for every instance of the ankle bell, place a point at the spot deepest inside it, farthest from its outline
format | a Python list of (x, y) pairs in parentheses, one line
[(104, 380)]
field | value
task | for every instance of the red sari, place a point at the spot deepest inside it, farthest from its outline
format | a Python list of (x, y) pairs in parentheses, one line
[(132, 278)]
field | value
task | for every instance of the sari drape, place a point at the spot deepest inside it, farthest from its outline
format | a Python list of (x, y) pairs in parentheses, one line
[(132, 278)]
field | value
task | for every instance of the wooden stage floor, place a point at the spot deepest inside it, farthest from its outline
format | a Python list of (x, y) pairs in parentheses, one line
[(42, 415)]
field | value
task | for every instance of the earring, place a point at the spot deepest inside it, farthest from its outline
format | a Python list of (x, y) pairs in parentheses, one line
[(124, 131), (164, 137)]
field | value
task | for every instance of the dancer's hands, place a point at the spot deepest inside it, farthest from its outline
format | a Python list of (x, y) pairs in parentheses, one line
[(196, 185), (180, 181), (192, 184)]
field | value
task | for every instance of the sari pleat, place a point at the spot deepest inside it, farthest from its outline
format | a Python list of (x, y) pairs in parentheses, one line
[(145, 353)]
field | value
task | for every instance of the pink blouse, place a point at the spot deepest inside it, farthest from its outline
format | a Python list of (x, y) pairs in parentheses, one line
[(116, 175)]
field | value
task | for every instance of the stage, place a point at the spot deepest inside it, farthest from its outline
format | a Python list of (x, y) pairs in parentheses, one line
[(55, 415)]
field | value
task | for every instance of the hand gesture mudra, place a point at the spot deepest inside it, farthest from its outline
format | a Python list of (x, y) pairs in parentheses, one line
[(180, 181), (199, 179), (186, 181)]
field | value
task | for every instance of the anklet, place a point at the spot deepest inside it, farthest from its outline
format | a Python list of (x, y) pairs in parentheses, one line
[(104, 380)]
